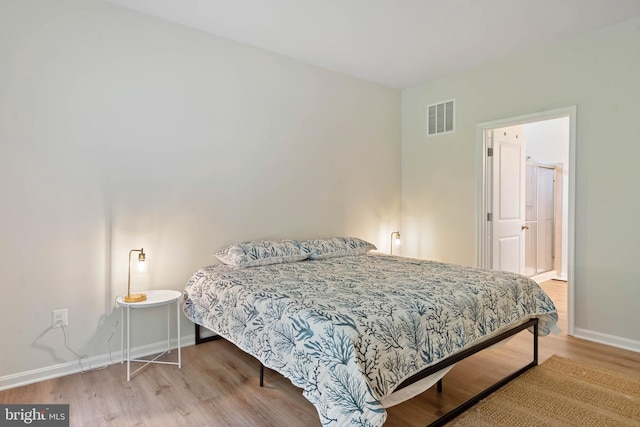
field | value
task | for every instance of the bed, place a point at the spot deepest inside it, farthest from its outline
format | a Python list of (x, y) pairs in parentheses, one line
[(351, 327)]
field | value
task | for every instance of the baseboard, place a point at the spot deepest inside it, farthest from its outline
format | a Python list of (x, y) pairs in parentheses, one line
[(543, 277), (96, 362), (612, 340)]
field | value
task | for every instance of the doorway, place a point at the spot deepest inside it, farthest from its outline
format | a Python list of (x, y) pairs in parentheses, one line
[(548, 232)]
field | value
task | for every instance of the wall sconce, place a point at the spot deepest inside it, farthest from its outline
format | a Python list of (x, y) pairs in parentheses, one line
[(395, 241), (140, 267)]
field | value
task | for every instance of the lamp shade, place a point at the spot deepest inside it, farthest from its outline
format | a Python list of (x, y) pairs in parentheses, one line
[(141, 265), (395, 240)]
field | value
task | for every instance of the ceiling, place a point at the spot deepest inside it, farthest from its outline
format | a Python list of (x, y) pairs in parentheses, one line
[(397, 43)]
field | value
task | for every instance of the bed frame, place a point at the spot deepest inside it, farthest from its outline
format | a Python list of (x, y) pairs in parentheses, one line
[(533, 322)]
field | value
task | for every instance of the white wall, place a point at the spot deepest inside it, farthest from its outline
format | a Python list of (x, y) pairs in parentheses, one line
[(600, 74), (120, 131), (548, 141)]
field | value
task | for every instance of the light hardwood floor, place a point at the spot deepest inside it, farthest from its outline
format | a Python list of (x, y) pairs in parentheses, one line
[(218, 385)]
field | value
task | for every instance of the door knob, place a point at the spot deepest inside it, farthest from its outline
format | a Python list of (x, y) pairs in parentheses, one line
[(525, 227)]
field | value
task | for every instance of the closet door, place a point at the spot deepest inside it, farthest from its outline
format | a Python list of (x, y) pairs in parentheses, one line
[(546, 197), (539, 219), (531, 221)]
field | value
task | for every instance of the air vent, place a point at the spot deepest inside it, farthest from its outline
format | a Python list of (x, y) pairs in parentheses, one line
[(441, 118)]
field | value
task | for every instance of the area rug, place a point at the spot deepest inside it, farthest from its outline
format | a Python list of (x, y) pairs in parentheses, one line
[(560, 392)]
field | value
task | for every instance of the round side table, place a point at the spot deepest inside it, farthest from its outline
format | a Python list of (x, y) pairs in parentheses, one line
[(154, 298)]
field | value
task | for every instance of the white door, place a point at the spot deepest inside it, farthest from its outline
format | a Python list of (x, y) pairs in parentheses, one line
[(508, 210)]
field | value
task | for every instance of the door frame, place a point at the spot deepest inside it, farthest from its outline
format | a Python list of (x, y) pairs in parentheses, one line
[(484, 194)]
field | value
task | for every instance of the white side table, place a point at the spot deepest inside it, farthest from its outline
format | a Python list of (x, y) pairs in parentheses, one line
[(154, 298)]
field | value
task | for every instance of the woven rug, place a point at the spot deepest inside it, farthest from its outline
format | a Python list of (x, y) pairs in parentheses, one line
[(560, 392)]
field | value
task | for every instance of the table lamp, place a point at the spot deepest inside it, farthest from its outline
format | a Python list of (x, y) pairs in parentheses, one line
[(140, 266), (395, 240)]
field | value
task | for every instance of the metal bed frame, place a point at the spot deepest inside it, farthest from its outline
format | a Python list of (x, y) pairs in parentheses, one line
[(533, 322)]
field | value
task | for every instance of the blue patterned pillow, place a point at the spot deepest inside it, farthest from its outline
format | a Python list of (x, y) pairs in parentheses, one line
[(337, 246), (262, 252)]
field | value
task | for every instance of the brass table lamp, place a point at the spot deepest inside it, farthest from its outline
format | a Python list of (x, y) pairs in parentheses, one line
[(141, 260)]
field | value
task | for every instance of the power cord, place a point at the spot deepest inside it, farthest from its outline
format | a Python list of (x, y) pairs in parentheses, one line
[(84, 356), (66, 344), (113, 331)]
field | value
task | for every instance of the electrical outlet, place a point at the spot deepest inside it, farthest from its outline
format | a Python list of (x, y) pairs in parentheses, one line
[(59, 318)]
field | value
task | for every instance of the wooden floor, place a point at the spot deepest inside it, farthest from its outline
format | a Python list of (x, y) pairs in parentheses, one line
[(218, 385)]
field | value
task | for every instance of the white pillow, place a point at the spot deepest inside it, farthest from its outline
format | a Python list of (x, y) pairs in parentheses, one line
[(262, 252), (336, 246)]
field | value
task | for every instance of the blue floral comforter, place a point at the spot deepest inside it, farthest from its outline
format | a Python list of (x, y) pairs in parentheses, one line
[(348, 330)]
